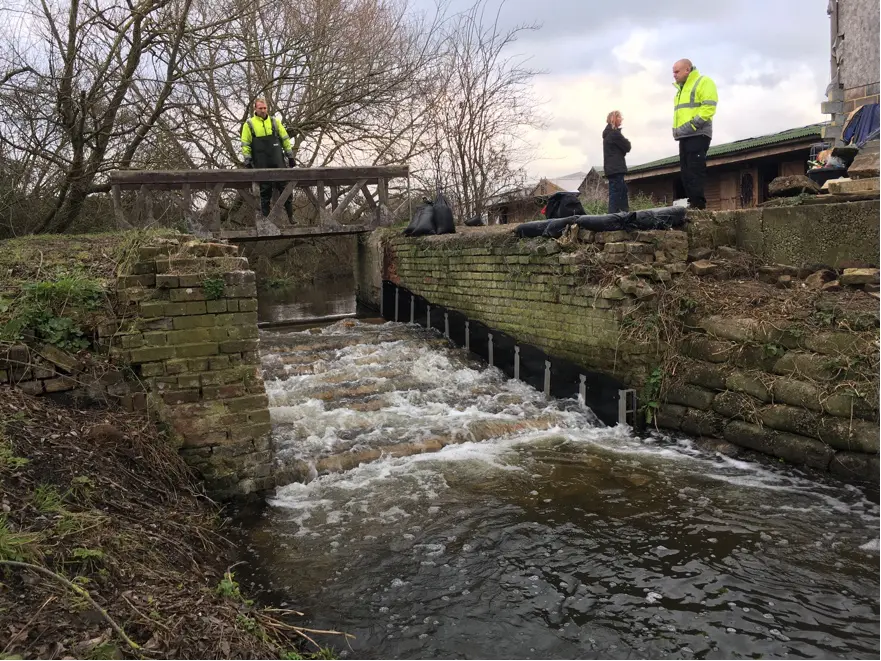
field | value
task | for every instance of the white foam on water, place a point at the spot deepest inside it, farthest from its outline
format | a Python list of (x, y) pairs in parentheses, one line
[(451, 394), (871, 546)]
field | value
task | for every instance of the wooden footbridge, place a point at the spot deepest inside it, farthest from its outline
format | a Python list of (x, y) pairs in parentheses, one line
[(339, 200)]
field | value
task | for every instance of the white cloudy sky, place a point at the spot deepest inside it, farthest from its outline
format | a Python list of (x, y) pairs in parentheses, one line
[(769, 58)]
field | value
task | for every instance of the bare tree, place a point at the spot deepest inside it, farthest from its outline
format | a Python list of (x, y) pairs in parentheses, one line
[(346, 76), (75, 92), (482, 112)]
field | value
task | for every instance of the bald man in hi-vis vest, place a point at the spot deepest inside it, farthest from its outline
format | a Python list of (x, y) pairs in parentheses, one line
[(693, 108)]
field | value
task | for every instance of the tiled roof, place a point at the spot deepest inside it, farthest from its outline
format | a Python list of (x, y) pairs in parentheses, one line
[(809, 131)]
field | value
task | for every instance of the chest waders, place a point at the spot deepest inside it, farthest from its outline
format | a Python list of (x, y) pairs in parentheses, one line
[(266, 152)]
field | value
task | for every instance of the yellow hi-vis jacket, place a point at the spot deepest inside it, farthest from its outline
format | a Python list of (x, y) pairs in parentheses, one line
[(263, 128), (694, 106)]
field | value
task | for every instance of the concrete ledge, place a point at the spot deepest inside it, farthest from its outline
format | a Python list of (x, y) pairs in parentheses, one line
[(799, 234)]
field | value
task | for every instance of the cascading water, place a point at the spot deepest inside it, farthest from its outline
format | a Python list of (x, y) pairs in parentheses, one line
[(522, 528)]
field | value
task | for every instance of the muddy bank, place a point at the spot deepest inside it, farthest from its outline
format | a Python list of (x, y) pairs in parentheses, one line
[(108, 549)]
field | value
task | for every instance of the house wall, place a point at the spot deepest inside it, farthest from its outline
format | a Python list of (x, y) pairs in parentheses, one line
[(854, 54), (858, 65), (662, 188), (518, 211), (725, 183), (594, 187)]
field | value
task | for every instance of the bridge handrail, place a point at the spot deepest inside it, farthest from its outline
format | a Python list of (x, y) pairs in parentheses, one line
[(335, 187), (132, 179)]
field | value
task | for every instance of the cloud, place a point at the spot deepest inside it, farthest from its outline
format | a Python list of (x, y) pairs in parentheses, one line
[(769, 59), (753, 103)]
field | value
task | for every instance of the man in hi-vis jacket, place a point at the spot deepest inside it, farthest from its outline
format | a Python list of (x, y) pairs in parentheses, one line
[(265, 144), (693, 110)]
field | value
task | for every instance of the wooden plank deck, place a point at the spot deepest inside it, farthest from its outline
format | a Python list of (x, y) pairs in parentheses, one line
[(292, 232), (243, 178)]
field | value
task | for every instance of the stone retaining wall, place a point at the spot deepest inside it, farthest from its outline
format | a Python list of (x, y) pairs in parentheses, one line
[(836, 235), (804, 396), (190, 335), (572, 304)]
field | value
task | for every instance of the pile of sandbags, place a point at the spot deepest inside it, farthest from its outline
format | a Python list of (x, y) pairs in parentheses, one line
[(432, 218), (662, 218)]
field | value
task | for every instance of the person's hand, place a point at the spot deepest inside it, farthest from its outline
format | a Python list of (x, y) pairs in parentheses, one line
[(292, 162), (249, 162)]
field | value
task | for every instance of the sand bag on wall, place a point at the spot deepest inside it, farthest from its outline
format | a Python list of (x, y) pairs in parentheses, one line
[(662, 218), (563, 205), (531, 230), (443, 216), (422, 222), (557, 226), (607, 222)]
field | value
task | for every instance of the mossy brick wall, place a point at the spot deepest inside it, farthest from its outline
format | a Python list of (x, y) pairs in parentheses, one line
[(191, 336), (569, 301), (804, 395)]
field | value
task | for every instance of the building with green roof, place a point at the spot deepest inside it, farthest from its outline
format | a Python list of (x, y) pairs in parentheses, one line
[(738, 173)]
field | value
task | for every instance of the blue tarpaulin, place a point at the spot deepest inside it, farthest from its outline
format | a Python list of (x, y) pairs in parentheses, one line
[(861, 125)]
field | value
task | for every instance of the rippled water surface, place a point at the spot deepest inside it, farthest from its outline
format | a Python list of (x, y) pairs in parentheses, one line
[(535, 532)]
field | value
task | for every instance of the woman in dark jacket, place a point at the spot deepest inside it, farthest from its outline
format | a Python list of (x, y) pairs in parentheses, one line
[(615, 147)]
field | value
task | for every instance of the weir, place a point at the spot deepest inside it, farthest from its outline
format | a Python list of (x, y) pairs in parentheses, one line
[(718, 339), (691, 332)]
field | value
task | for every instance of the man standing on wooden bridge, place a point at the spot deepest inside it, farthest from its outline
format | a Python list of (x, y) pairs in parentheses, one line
[(265, 144)]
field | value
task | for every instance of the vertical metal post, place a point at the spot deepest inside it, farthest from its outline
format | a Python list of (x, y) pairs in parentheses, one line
[(582, 390), (626, 406), (517, 361), (547, 378), (428, 315), (409, 200), (447, 325), (489, 346), (397, 297), (412, 309), (467, 336)]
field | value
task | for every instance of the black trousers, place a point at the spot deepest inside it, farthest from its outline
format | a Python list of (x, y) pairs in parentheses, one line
[(266, 188), (693, 168), (618, 194)]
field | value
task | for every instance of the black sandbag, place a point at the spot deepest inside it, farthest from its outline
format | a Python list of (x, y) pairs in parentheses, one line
[(608, 222), (557, 226), (443, 216), (531, 230), (662, 218), (422, 222), (476, 221), (563, 205)]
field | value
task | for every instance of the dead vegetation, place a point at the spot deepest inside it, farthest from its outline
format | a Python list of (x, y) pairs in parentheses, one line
[(797, 313), (108, 549)]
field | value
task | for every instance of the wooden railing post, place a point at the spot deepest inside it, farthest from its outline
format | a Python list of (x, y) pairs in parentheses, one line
[(121, 221)]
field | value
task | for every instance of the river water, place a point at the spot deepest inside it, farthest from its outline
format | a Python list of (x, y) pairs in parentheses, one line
[(307, 301), (536, 532)]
